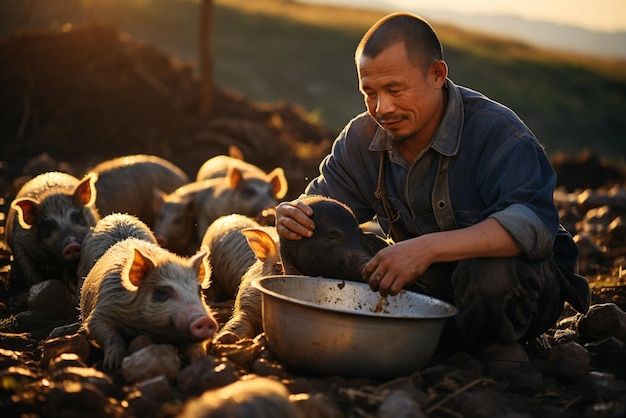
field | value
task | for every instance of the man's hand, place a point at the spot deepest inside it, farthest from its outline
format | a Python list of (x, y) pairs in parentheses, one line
[(293, 220), (395, 266)]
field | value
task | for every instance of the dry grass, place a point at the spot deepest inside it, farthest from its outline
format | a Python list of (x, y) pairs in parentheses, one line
[(334, 17)]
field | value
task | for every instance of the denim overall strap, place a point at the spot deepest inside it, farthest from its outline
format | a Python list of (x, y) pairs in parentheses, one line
[(442, 206), (381, 193)]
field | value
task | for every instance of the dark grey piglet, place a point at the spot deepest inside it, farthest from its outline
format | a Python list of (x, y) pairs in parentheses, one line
[(46, 225), (338, 248)]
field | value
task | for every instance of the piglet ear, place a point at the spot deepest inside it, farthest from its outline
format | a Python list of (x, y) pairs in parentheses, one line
[(279, 182), (200, 265), (158, 198), (235, 176), (27, 211), (261, 243), (85, 192), (136, 269), (235, 152)]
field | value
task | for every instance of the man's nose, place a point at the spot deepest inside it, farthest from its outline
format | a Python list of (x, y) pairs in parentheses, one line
[(384, 104)]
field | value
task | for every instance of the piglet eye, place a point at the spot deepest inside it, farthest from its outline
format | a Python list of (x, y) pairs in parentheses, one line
[(47, 228), (248, 193), (78, 218), (162, 294)]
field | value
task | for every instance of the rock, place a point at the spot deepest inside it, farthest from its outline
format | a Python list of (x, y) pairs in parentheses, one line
[(16, 377), (603, 321), (87, 375), (565, 335), (604, 386), (66, 360), (606, 410), (138, 343), (482, 403), (151, 361), (614, 198), (588, 249), (17, 341), (54, 347), (607, 344), (264, 367), (53, 298), (206, 373), (68, 329), (157, 388), (316, 405), (400, 404), (72, 399), (150, 396), (568, 361)]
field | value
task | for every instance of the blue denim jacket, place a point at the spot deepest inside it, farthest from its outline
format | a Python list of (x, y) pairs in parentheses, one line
[(497, 169)]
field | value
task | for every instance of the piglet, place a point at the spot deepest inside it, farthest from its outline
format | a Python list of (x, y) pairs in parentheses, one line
[(126, 184), (138, 288), (46, 225), (230, 254), (246, 321), (338, 249), (109, 230)]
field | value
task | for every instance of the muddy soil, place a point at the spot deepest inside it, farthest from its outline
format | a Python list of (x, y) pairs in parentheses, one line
[(73, 99)]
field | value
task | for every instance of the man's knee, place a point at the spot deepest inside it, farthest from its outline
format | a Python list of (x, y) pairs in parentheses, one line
[(504, 298)]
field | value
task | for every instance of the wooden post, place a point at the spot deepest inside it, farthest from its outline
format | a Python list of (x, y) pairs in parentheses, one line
[(206, 57)]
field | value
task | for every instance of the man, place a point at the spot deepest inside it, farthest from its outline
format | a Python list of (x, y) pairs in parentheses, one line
[(461, 185)]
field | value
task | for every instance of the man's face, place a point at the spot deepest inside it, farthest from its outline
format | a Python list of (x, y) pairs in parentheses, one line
[(405, 102)]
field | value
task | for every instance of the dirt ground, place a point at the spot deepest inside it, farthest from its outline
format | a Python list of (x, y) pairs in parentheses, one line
[(92, 93)]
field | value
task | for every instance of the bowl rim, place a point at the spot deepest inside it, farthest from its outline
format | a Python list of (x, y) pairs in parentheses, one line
[(257, 284)]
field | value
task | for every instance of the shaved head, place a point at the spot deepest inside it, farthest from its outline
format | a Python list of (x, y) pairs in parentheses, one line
[(420, 41)]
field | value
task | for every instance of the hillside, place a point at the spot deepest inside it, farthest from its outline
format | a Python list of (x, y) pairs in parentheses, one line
[(273, 50), (111, 96)]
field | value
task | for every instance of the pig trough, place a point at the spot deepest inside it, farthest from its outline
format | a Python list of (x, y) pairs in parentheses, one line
[(338, 327)]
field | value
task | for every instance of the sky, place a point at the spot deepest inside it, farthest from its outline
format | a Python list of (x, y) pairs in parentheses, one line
[(599, 15)]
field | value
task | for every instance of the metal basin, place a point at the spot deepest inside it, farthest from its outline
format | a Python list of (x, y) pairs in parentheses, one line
[(338, 327)]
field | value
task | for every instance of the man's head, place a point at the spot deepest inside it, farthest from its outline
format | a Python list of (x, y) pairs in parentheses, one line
[(420, 41), (401, 75)]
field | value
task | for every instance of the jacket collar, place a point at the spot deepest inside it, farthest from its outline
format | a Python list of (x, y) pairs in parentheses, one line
[(447, 138)]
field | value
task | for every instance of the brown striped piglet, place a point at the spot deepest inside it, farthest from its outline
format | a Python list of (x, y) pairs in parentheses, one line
[(109, 230), (184, 215), (137, 289), (229, 254), (246, 320), (126, 184)]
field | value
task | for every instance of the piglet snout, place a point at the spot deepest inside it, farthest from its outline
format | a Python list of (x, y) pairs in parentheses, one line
[(71, 252), (203, 327)]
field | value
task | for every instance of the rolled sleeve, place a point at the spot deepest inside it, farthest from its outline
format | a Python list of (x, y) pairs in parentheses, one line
[(529, 232)]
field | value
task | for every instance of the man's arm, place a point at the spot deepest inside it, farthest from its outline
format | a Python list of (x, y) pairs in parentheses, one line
[(397, 265)]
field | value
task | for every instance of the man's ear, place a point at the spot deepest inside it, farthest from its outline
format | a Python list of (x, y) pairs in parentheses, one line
[(439, 72)]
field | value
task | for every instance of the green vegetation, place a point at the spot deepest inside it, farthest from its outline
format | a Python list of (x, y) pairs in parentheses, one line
[(273, 50)]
